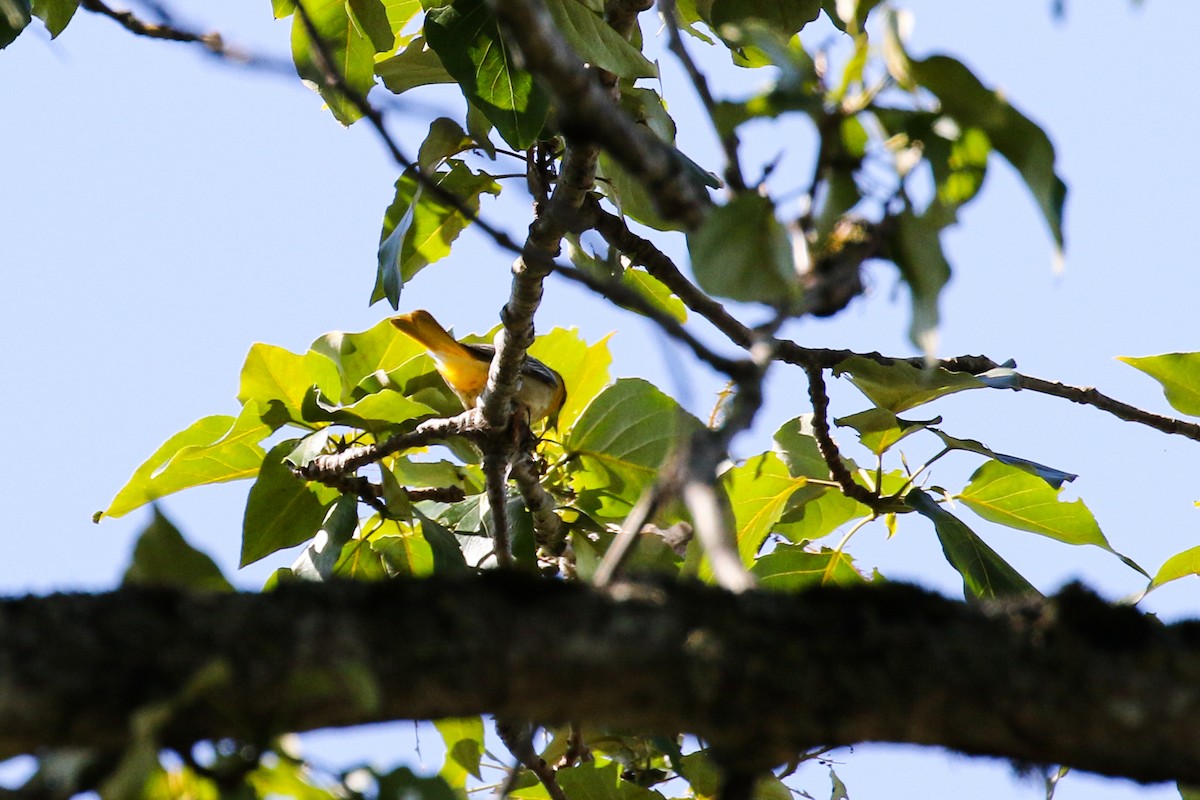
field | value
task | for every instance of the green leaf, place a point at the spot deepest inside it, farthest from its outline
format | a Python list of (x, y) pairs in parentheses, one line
[(364, 360), (654, 292), (879, 429), (584, 368), (1008, 495), (279, 379), (1052, 476), (915, 245), (618, 444), (1179, 374), (419, 228), (899, 386), (213, 449), (596, 42), (370, 18), (596, 781), (742, 252), (445, 138), (318, 561), (758, 493), (282, 510), (402, 784), (787, 17), (849, 16), (791, 567), (629, 195), (14, 17), (352, 55), (464, 740), (470, 46), (1178, 566), (817, 511), (162, 557), (985, 574), (54, 13), (415, 65), (406, 553), (1022, 143)]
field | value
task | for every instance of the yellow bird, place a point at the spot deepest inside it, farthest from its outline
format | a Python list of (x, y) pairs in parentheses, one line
[(464, 367)]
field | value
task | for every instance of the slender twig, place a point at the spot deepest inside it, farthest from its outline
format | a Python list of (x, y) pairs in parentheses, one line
[(495, 475), (335, 79), (520, 743), (323, 467), (827, 447), (641, 513), (729, 140), (588, 114)]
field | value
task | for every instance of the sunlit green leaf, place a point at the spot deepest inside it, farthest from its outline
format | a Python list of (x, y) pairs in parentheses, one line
[(1022, 143), (464, 740), (445, 138), (162, 557), (468, 42), (361, 357), (758, 492), (594, 781), (879, 429), (406, 553), (415, 65), (793, 567), (282, 510), (1180, 565), (278, 380), (1008, 495), (619, 442), (212, 450), (742, 252), (596, 42), (985, 574), (370, 17), (817, 511), (352, 55), (1179, 374), (54, 13), (418, 228), (899, 386), (584, 368)]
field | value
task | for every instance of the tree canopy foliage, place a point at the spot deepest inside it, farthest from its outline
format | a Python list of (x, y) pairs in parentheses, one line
[(358, 452)]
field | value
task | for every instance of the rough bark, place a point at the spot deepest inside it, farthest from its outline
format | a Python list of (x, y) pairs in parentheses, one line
[(759, 675)]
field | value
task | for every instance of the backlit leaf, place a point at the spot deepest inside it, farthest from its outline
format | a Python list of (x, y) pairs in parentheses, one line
[(418, 228), (899, 386), (351, 52), (596, 42), (278, 380), (1179, 374), (464, 740), (1052, 476), (1008, 495), (618, 444), (742, 252), (879, 429), (985, 574), (1180, 565), (758, 493), (791, 567), (415, 65), (212, 450), (584, 368), (469, 43)]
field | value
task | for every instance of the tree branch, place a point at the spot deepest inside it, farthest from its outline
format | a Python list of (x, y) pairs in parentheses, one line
[(760, 675)]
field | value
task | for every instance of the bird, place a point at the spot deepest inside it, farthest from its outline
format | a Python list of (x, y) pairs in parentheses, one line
[(464, 368)]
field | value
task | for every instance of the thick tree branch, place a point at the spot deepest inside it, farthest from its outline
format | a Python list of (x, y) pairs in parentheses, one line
[(760, 675)]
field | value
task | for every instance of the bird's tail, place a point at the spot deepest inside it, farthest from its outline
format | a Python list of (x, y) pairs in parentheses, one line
[(421, 326)]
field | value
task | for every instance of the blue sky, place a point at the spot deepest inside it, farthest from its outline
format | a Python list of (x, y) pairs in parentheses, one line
[(162, 212)]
